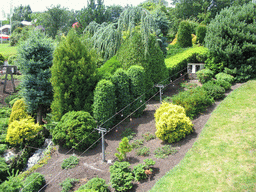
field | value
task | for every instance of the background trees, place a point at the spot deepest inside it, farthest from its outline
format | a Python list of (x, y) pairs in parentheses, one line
[(21, 13)]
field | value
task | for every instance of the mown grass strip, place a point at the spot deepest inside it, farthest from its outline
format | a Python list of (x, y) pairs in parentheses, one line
[(223, 158), (6, 50)]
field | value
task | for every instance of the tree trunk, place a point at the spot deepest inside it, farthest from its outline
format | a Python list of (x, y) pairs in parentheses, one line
[(40, 115)]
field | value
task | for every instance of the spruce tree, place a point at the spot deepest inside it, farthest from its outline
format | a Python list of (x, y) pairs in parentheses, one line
[(73, 77)]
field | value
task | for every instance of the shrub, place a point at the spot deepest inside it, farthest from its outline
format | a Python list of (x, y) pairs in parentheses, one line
[(67, 184), (172, 124), (148, 136), (13, 184), (149, 163), (225, 77), (144, 151), (70, 162), (137, 143), (74, 130), (204, 75), (163, 152), (226, 85), (231, 41), (139, 172), (129, 133), (12, 60), (22, 132), (137, 88), (34, 182), (124, 147), (109, 68), (201, 33), (104, 106), (122, 91), (184, 34), (18, 111), (194, 101), (10, 98), (97, 184), (121, 176), (214, 90), (1, 59), (73, 77)]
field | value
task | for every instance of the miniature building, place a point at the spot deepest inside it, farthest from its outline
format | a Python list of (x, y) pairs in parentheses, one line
[(192, 68)]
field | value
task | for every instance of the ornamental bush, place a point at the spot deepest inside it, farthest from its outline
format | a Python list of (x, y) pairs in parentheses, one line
[(18, 111), (1, 59), (74, 130), (194, 101), (226, 85), (139, 172), (34, 182), (172, 124), (136, 75), (104, 105), (204, 75), (200, 34), (109, 68), (231, 39), (122, 91), (95, 184), (121, 176), (184, 38), (214, 90), (225, 77), (124, 147)]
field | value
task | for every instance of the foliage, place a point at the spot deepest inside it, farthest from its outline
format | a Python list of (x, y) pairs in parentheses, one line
[(97, 184), (9, 99), (122, 91), (189, 85), (21, 13), (137, 89), (172, 124), (225, 77), (34, 182), (163, 152), (214, 90), (12, 60), (67, 184), (226, 85), (204, 75), (70, 162), (22, 131), (139, 172), (3, 148), (231, 39), (121, 176), (20, 34), (201, 33), (148, 136), (179, 61), (104, 105), (137, 143), (184, 38), (194, 101), (149, 163), (76, 129), (5, 112), (35, 60), (13, 184), (109, 68), (1, 59), (3, 170), (144, 151), (124, 147), (129, 133), (18, 111), (72, 69)]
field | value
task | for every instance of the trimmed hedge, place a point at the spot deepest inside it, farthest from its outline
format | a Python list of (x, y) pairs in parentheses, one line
[(225, 77), (201, 33), (104, 105), (137, 88)]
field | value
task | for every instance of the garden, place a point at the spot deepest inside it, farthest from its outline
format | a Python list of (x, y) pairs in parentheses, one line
[(109, 80)]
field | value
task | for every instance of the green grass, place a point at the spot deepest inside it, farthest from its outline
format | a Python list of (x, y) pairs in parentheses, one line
[(6, 50), (223, 158), (16, 77)]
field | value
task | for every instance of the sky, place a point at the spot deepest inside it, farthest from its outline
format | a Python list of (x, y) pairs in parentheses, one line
[(41, 5)]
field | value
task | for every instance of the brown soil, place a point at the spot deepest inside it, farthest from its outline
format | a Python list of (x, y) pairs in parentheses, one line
[(90, 162)]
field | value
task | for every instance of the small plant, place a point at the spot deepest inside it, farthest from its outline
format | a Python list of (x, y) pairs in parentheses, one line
[(204, 75), (149, 163), (137, 143), (214, 90), (129, 133), (70, 162), (139, 172), (225, 77), (67, 184), (97, 184), (163, 152), (144, 151), (148, 136), (34, 182), (124, 147), (189, 85)]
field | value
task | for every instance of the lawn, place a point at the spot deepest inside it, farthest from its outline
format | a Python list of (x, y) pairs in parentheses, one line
[(6, 50), (223, 158)]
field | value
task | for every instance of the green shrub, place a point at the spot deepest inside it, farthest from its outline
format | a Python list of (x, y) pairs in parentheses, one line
[(137, 143), (5, 112), (104, 106), (1, 59), (122, 91), (3, 148), (121, 176), (149, 163), (73, 130), (97, 184), (163, 152), (214, 90), (124, 147), (226, 85), (148, 136), (194, 101), (172, 124), (129, 133), (201, 33), (13, 184), (137, 88), (184, 38), (12, 60), (144, 151), (70, 162), (204, 75), (139, 172), (18, 111), (34, 182), (73, 77), (225, 77), (67, 184), (109, 68), (231, 41)]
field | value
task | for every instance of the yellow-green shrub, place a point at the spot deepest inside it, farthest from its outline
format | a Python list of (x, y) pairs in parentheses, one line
[(172, 124), (22, 131), (18, 111)]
